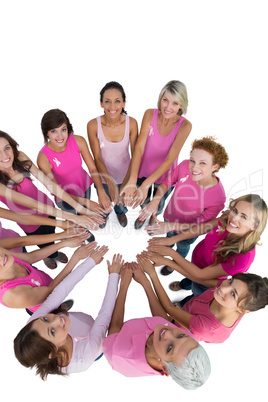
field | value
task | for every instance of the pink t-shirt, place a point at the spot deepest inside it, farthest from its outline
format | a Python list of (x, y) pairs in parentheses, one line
[(7, 233), (191, 203), (34, 279), (157, 148), (203, 254), (125, 350), (67, 168), (203, 324), (115, 155), (28, 188)]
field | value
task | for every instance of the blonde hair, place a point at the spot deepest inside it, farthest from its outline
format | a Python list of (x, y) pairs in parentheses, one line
[(178, 92), (238, 245)]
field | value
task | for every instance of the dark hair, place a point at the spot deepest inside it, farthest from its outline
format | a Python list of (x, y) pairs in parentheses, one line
[(54, 118), (21, 166), (114, 85), (256, 296), (32, 350)]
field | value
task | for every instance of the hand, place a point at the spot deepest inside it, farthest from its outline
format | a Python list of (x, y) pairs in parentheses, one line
[(85, 250), (156, 258), (98, 253), (105, 202), (148, 267), (161, 241), (150, 209), (162, 250), (85, 221), (138, 273), (126, 274), (76, 241), (139, 196), (158, 228), (113, 191), (74, 231), (93, 206), (127, 192), (116, 264)]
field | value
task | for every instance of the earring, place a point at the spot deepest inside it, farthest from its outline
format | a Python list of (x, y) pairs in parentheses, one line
[(159, 360)]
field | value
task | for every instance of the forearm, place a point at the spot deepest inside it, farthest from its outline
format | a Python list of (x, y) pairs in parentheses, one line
[(66, 270), (156, 309), (117, 319), (161, 294), (39, 255), (31, 240)]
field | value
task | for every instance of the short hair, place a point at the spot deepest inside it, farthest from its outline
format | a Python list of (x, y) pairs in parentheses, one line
[(54, 118), (218, 152), (178, 91), (114, 85), (194, 371)]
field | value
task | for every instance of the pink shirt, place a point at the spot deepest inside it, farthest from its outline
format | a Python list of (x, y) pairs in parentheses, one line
[(34, 278), (28, 188), (115, 155), (87, 335), (203, 254), (191, 203), (203, 324), (157, 148), (125, 350), (8, 233), (67, 168)]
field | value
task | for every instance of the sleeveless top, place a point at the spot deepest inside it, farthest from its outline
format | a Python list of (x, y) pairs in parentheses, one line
[(157, 148), (35, 278), (67, 168), (115, 155), (28, 188), (6, 234)]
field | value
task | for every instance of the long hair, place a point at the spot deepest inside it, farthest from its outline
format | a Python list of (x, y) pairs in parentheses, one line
[(52, 119), (256, 296), (32, 350), (229, 247), (21, 166)]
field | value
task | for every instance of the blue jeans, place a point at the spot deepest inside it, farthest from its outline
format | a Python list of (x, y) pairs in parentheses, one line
[(64, 206), (118, 209), (197, 290), (148, 198)]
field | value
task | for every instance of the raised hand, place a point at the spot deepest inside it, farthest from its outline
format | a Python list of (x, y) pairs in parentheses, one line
[(116, 264)]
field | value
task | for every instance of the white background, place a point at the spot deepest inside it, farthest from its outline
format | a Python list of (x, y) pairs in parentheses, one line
[(59, 54)]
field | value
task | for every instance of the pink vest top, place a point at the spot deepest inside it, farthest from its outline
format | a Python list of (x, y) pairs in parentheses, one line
[(28, 188), (157, 148), (67, 168), (7, 233), (115, 155), (35, 278)]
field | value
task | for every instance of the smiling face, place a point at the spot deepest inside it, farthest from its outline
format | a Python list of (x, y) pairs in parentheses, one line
[(112, 103), (229, 293), (58, 137), (201, 165), (169, 106), (241, 219), (172, 344), (6, 260), (6, 155), (53, 327)]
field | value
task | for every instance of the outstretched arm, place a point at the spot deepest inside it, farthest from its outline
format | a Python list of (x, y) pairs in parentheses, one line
[(117, 319)]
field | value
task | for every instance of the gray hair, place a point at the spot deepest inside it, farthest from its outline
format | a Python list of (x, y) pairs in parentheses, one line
[(194, 371), (178, 91)]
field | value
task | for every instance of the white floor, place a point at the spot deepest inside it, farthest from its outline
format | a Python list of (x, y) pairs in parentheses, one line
[(60, 54)]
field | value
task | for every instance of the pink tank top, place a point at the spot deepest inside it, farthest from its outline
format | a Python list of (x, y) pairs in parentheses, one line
[(35, 278), (157, 148), (67, 168), (115, 155), (28, 188), (7, 233)]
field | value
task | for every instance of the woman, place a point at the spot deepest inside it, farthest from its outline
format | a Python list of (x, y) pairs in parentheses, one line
[(110, 137), (227, 249), (213, 315), (162, 135), (153, 345), (15, 184), (56, 343), (22, 285), (198, 196), (61, 160)]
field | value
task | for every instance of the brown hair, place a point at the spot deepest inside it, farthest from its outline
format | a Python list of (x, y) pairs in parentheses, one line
[(21, 166), (54, 118), (215, 149), (256, 296), (32, 350)]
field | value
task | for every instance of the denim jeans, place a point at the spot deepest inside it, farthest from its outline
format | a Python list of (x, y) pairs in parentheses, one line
[(118, 209), (148, 198), (64, 206), (197, 289), (43, 230)]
